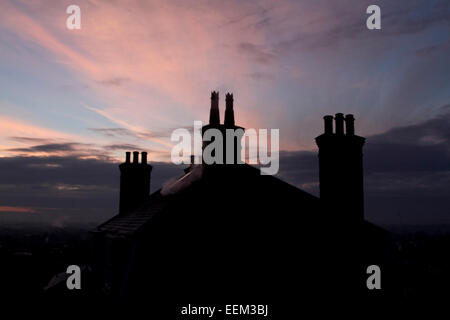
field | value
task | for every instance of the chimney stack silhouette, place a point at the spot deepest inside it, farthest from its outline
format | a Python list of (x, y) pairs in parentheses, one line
[(341, 168), (134, 182), (233, 142), (214, 116), (229, 112)]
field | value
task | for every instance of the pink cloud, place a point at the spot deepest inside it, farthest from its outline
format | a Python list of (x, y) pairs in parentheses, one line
[(13, 127), (171, 54)]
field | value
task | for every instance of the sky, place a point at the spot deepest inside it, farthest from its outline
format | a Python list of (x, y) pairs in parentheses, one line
[(75, 100)]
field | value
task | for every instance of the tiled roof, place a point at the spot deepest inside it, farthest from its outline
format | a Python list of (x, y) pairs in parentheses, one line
[(127, 224)]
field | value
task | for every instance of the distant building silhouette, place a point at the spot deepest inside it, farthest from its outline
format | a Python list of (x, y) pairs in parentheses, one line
[(223, 231)]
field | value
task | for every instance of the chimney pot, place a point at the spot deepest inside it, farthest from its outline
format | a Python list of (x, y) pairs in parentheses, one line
[(214, 117), (135, 157), (349, 125), (229, 112), (144, 157), (127, 157), (339, 117), (328, 123)]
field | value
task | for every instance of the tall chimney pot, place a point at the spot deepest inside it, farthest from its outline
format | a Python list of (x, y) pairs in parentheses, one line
[(144, 157), (229, 112), (328, 122), (135, 157), (349, 125), (339, 124), (214, 117)]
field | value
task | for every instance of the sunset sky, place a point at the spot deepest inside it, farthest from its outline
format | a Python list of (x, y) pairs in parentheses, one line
[(139, 69)]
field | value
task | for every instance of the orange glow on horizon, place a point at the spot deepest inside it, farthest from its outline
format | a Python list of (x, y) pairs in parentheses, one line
[(16, 209)]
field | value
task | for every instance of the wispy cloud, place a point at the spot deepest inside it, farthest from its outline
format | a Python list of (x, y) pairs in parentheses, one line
[(29, 140), (16, 209), (114, 132), (256, 52), (114, 81), (51, 147), (126, 147)]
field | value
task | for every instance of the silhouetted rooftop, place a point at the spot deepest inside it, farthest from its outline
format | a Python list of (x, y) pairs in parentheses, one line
[(190, 188)]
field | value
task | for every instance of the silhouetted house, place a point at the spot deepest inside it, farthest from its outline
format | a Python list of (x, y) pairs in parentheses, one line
[(228, 231)]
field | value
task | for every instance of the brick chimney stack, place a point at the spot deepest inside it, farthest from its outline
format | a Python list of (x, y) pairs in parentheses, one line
[(231, 134), (341, 168), (134, 182)]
